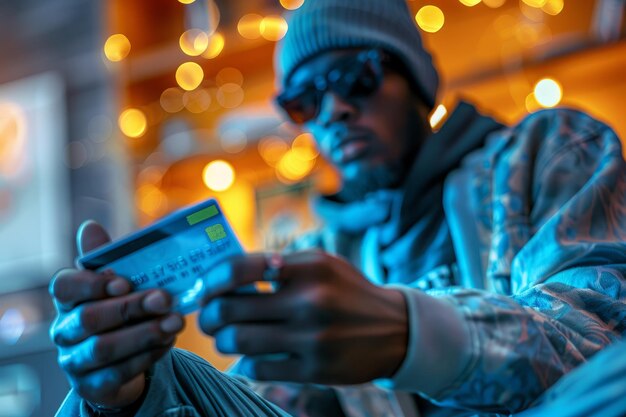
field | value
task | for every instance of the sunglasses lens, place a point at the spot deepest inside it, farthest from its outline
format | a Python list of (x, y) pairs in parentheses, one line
[(359, 81), (302, 107)]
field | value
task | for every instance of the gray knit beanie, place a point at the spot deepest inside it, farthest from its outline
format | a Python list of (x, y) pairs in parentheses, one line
[(322, 25)]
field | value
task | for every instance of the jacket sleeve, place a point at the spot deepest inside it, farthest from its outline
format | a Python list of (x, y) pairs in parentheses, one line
[(558, 227), (184, 385)]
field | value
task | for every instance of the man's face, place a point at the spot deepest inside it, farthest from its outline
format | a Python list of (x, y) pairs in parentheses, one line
[(371, 139)]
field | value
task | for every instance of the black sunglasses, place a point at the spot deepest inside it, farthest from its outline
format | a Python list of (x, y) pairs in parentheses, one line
[(355, 77)]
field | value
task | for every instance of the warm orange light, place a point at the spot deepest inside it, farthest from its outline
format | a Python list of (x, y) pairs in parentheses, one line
[(304, 147), (116, 47), (292, 168), (133, 123), (273, 28), (430, 19), (291, 4), (535, 3), (548, 92), (218, 175), (151, 200), (272, 149), (553, 7), (215, 47), (197, 101), (186, 1), (230, 95), (438, 115), (469, 3), (494, 4), (172, 100), (194, 42), (249, 26), (531, 103), (189, 76), (229, 75), (12, 139)]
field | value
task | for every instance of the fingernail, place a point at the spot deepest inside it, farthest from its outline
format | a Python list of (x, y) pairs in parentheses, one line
[(172, 324), (156, 302), (118, 287)]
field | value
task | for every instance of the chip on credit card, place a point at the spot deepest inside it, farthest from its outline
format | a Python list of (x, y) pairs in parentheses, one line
[(175, 254)]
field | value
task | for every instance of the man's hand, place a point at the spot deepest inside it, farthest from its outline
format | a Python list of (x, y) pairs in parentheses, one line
[(107, 337), (326, 324)]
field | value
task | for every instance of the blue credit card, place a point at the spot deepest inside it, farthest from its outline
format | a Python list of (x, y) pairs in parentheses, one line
[(174, 254)]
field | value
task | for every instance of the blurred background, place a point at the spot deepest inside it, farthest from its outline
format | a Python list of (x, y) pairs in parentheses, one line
[(125, 110)]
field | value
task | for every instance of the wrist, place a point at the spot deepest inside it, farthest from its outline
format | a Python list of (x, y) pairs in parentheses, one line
[(397, 344)]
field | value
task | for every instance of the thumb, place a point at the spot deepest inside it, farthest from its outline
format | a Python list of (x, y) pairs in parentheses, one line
[(90, 235)]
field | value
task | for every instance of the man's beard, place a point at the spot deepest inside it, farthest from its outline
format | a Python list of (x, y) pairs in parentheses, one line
[(381, 177)]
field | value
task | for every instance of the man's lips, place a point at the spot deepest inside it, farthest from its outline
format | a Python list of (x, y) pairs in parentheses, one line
[(348, 151)]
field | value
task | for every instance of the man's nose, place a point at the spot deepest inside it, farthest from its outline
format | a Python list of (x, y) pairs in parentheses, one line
[(335, 109)]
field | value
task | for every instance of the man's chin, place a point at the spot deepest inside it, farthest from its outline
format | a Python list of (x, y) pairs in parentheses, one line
[(360, 180)]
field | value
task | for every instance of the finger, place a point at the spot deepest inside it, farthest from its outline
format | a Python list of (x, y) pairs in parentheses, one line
[(101, 316), (253, 339), (70, 287), (102, 350), (107, 381), (90, 236), (226, 310), (243, 270), (264, 368), (235, 272)]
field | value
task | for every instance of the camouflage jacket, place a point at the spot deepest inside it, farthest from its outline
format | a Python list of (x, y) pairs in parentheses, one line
[(521, 247)]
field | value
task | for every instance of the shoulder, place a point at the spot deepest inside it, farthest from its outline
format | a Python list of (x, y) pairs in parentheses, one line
[(551, 138), (553, 131)]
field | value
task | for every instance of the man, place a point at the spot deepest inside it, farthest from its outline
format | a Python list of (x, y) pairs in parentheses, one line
[(530, 220)]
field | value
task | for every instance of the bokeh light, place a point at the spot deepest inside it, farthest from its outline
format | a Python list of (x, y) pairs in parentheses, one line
[(12, 326), (469, 3), (291, 4), (172, 100), (273, 28), (151, 200), (230, 95), (194, 42), (197, 101), (292, 168), (229, 75), (76, 154), (304, 147), (430, 18), (249, 26), (13, 139), (272, 149), (218, 175), (553, 7), (215, 47), (133, 123), (438, 115), (186, 1), (189, 76), (494, 4), (548, 92), (535, 3), (117, 47)]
